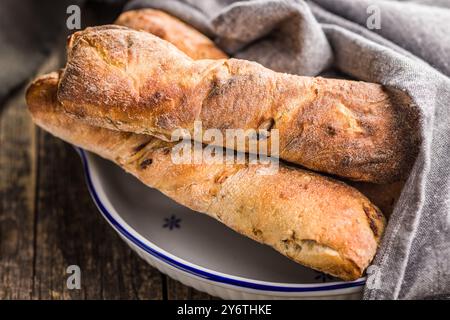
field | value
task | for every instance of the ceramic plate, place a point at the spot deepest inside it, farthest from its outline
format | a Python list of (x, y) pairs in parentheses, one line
[(198, 250)]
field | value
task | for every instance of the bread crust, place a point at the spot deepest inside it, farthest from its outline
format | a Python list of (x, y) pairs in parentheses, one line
[(122, 79), (316, 221), (184, 37)]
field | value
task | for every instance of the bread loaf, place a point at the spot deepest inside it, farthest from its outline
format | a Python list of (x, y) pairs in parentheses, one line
[(127, 80), (314, 220), (184, 37), (197, 46)]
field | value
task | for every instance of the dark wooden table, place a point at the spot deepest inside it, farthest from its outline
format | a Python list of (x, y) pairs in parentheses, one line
[(48, 221)]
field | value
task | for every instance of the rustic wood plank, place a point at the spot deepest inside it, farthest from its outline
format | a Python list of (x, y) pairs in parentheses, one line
[(17, 176)]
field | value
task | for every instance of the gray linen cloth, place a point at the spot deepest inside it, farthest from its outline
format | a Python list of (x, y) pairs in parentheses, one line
[(410, 52)]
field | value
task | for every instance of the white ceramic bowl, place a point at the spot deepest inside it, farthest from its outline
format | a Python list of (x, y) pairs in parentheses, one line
[(198, 250)]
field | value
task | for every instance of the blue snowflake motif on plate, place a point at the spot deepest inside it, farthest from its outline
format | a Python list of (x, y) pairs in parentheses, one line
[(172, 222)]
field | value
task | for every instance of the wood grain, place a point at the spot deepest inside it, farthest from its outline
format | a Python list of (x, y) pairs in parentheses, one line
[(17, 194)]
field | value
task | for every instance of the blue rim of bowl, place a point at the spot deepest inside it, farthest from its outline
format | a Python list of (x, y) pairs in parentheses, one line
[(195, 271)]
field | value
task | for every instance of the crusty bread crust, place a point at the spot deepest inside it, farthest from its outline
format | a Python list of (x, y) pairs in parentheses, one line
[(314, 220), (127, 80), (184, 37)]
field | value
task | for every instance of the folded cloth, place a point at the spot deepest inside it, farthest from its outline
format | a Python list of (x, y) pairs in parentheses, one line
[(402, 44)]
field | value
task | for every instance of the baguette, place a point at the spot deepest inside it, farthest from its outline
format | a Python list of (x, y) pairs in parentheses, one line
[(122, 79), (184, 37), (197, 46), (316, 221)]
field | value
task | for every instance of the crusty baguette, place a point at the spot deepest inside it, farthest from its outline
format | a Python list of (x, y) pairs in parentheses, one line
[(123, 79), (314, 220), (197, 46), (184, 37)]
